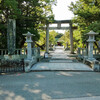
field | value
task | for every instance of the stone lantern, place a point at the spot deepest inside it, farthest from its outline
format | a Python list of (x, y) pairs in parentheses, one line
[(29, 41), (90, 41)]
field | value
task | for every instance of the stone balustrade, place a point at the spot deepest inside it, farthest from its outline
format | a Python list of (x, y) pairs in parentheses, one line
[(84, 52), (36, 52), (17, 51), (21, 52), (3, 52)]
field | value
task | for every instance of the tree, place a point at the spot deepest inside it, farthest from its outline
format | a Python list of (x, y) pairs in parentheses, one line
[(65, 38), (41, 42), (87, 17), (52, 35), (29, 15)]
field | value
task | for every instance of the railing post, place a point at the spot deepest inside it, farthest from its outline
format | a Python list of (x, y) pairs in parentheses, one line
[(95, 51), (79, 53), (82, 52), (85, 52), (1, 52)]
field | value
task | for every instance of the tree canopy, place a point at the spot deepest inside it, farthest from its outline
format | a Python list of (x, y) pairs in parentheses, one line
[(87, 17), (29, 15)]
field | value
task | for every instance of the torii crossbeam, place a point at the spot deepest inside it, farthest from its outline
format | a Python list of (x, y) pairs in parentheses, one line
[(59, 22)]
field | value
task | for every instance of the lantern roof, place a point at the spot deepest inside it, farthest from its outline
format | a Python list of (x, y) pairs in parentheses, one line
[(92, 33), (29, 34)]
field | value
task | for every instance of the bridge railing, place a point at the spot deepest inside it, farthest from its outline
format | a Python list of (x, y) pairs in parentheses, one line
[(18, 62), (21, 52), (84, 52), (36, 52), (3, 52)]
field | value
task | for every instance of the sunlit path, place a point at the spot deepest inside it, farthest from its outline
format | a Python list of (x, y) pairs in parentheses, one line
[(59, 53), (61, 61)]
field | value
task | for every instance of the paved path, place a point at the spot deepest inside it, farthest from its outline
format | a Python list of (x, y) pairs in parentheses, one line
[(58, 85), (60, 61)]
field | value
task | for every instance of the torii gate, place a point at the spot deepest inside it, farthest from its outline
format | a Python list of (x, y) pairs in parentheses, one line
[(59, 22)]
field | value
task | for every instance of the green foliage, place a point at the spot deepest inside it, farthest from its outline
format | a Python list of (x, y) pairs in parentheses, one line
[(87, 17), (52, 35), (29, 15), (42, 40), (65, 38), (77, 38), (59, 35)]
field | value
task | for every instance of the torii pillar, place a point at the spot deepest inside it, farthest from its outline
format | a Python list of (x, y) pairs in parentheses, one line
[(71, 39), (47, 38)]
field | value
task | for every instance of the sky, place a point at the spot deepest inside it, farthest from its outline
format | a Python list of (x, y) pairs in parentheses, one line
[(61, 10)]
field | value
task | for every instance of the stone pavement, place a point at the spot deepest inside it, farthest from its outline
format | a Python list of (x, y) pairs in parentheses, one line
[(61, 61), (50, 85)]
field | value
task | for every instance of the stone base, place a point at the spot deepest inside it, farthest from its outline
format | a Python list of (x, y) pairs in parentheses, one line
[(94, 64), (46, 55), (91, 59), (85, 58), (29, 63)]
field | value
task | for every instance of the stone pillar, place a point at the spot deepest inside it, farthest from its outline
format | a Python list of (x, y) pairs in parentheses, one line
[(71, 39), (79, 52), (47, 38), (29, 45), (11, 36), (90, 44)]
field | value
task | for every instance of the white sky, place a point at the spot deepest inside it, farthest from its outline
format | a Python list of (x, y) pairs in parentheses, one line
[(61, 10)]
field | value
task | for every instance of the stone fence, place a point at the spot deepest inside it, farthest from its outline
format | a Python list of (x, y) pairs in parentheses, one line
[(16, 58), (21, 52), (17, 51), (83, 52), (83, 55)]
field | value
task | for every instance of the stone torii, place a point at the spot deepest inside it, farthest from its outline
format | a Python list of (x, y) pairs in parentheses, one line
[(59, 22)]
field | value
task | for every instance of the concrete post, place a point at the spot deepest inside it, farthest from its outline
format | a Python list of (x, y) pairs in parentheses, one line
[(47, 38), (71, 39), (79, 52)]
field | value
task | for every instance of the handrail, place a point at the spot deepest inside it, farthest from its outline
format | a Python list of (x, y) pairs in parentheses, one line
[(22, 51), (84, 52)]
